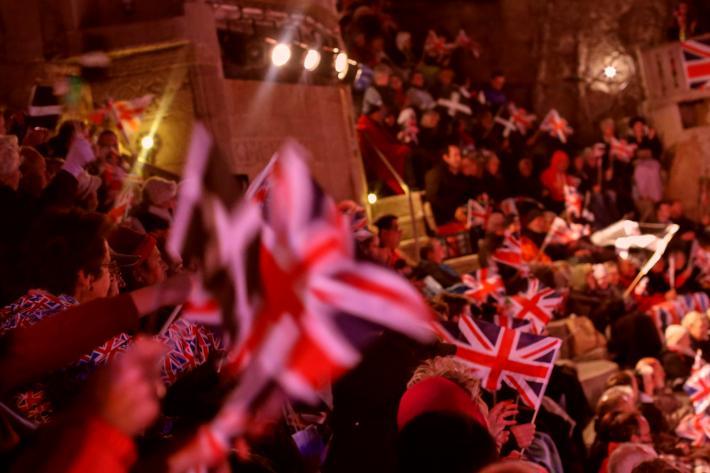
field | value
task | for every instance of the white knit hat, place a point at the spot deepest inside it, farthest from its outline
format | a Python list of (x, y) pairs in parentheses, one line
[(157, 190)]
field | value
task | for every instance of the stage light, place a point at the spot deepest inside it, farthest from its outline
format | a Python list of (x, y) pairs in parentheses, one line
[(147, 142), (341, 64), (281, 54), (371, 198), (610, 72), (312, 60)]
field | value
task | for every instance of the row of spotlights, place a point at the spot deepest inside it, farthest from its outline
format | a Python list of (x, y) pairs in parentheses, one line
[(281, 54)]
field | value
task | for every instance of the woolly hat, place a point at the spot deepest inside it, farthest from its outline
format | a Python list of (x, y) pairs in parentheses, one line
[(674, 333), (436, 394), (157, 190)]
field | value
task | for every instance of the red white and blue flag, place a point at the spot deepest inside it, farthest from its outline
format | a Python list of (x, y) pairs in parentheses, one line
[(498, 354), (510, 253), (622, 150), (479, 211), (483, 285), (283, 272), (556, 126), (537, 304), (697, 387), (564, 233), (694, 427), (522, 120), (696, 59)]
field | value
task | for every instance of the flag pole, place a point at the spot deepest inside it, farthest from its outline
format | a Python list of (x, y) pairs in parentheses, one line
[(170, 319)]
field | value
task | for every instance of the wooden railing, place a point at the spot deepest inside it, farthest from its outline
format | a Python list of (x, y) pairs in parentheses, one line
[(664, 72)]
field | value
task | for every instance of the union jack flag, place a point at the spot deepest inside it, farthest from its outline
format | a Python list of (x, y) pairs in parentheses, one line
[(508, 125), (556, 126), (694, 427), (106, 352), (126, 114), (522, 360), (666, 313), (34, 405), (574, 204), (189, 347), (563, 233), (698, 301), (31, 308), (536, 304), (521, 118), (482, 285), (622, 150), (697, 387), (301, 305), (435, 46), (696, 59), (510, 253), (479, 211)]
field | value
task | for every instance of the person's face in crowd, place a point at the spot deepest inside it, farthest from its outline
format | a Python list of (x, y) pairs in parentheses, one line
[(498, 82), (431, 119), (539, 224), (578, 163), (639, 128), (563, 164), (378, 116), (525, 167), (644, 432), (107, 147), (390, 237), (470, 167), (91, 287), (377, 45), (613, 274), (390, 120), (154, 269), (438, 252), (453, 158), (607, 127), (382, 78), (446, 77), (396, 83), (487, 120), (493, 166), (679, 259), (699, 329), (417, 80), (664, 213), (676, 210), (682, 8)]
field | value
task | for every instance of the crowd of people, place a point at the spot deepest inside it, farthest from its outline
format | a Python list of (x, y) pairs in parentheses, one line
[(99, 371)]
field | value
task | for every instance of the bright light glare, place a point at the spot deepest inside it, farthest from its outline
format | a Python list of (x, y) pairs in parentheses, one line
[(341, 64), (281, 54), (312, 60), (610, 72), (147, 142), (371, 198)]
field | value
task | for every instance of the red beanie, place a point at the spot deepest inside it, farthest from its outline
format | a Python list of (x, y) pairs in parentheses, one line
[(437, 394)]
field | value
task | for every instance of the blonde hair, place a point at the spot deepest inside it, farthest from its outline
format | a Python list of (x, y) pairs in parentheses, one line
[(450, 368)]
